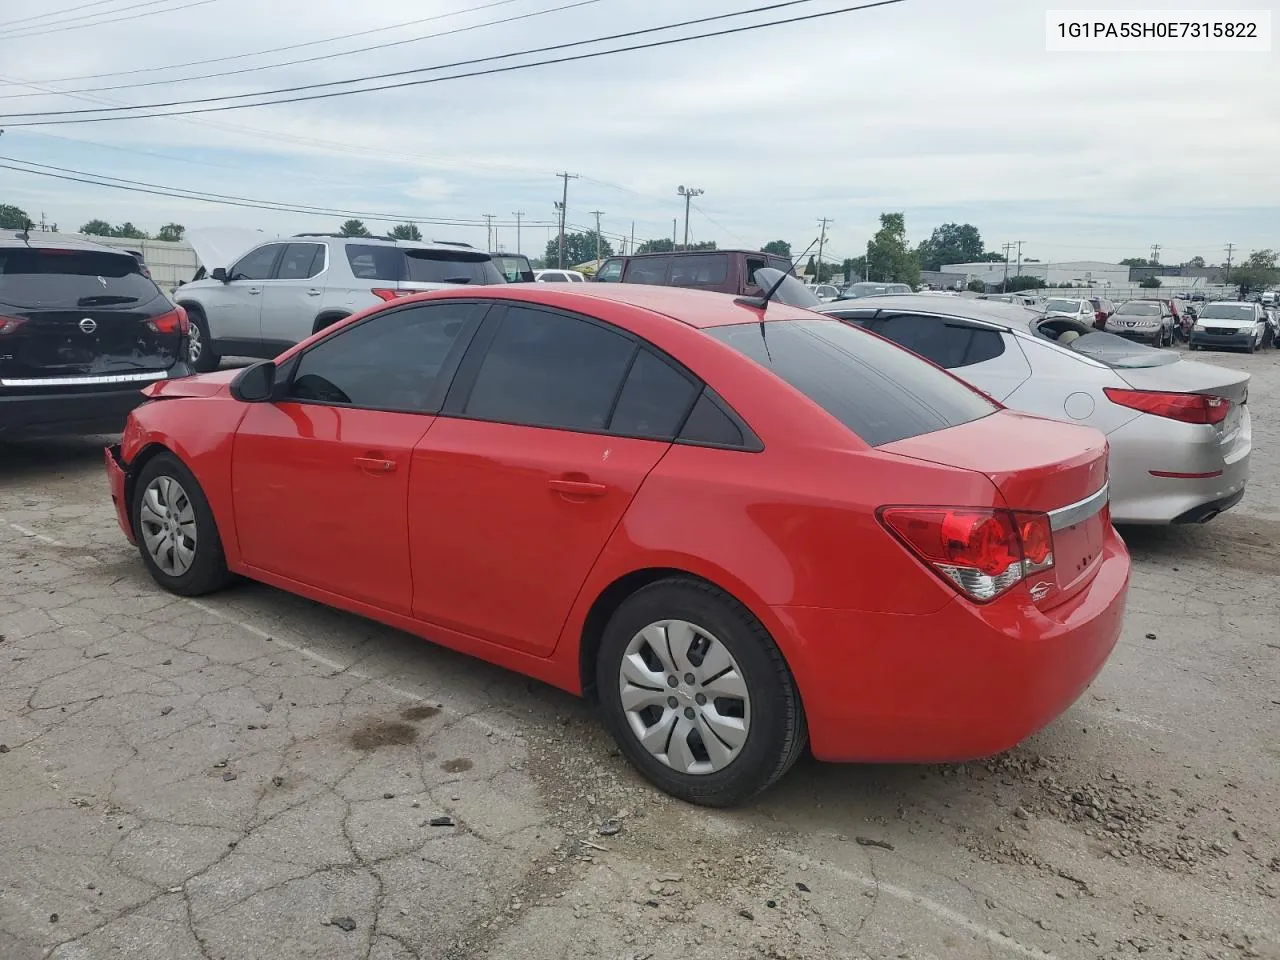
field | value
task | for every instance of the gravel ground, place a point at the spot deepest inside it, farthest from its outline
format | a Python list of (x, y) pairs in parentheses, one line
[(251, 775)]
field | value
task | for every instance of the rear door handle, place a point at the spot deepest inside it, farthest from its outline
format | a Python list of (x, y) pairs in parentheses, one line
[(253, 292), (578, 488), (375, 464), (314, 292)]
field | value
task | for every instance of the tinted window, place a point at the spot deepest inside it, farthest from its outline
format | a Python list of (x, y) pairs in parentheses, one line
[(63, 279), (879, 392), (514, 268), (395, 264), (301, 261), (945, 344), (610, 272), (257, 264), (552, 277), (754, 264), (390, 361), (709, 424), (550, 370), (654, 400), (648, 270), (702, 270)]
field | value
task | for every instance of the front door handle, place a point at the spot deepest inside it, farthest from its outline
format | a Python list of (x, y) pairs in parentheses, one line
[(314, 292), (253, 292), (375, 464), (578, 488)]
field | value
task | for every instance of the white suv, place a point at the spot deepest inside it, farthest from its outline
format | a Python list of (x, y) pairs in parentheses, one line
[(281, 292)]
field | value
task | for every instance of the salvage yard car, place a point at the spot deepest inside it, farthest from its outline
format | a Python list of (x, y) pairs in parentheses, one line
[(739, 527), (1147, 321), (281, 292), (1179, 431), (720, 271), (1232, 324), (82, 328)]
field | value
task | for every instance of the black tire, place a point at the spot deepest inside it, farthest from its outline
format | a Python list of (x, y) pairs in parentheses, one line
[(1251, 347), (777, 734), (207, 359), (208, 571)]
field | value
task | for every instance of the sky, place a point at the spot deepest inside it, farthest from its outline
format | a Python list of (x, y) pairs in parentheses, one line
[(946, 110)]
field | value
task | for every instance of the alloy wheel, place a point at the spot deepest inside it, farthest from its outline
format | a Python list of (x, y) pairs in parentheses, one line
[(195, 345), (684, 697), (168, 522)]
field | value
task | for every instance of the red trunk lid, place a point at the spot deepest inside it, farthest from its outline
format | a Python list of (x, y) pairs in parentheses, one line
[(1037, 465)]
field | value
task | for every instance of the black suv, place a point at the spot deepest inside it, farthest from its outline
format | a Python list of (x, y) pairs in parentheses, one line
[(82, 330)]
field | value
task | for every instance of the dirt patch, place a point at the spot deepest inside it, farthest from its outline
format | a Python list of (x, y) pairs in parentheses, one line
[(381, 734), (424, 712), (457, 765)]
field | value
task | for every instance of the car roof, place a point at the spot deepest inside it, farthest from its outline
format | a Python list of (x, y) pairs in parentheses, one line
[(10, 241), (1233, 303), (387, 241), (694, 308), (689, 253), (1009, 315)]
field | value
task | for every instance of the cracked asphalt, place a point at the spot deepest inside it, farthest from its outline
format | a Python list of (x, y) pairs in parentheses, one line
[(251, 775)]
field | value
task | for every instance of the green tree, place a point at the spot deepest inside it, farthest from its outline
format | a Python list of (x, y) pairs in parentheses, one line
[(13, 218), (354, 228), (977, 286), (97, 228), (578, 248), (1197, 262), (991, 256), (171, 232), (1018, 283), (950, 243), (405, 231), (1150, 283), (661, 245), (779, 248), (1136, 262), (891, 259), (855, 268), (811, 268), (127, 231), (1259, 272)]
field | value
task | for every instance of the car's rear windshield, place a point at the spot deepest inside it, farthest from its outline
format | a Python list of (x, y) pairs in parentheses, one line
[(514, 269), (1227, 311), (395, 264), (1121, 353), (39, 279), (1136, 308), (879, 391)]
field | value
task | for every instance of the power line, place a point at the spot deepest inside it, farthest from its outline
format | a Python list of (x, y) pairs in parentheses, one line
[(65, 25), (167, 81), (291, 46), (140, 186), (420, 82), (56, 13)]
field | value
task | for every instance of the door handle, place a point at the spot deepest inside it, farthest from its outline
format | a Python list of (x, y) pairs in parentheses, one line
[(578, 488), (254, 292), (313, 292), (375, 464)]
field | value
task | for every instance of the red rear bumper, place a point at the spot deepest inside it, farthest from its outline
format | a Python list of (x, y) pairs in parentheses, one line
[(116, 477), (965, 682)]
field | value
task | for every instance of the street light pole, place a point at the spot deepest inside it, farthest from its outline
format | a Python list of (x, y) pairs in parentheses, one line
[(688, 193)]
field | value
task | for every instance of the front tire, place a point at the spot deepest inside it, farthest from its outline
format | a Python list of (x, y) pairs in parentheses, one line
[(175, 529), (200, 352), (697, 694)]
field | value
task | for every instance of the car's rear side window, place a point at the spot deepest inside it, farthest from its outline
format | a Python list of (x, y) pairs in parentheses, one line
[(880, 392), (415, 265), (647, 270)]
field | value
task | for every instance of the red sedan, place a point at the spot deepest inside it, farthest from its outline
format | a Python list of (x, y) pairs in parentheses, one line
[(741, 530)]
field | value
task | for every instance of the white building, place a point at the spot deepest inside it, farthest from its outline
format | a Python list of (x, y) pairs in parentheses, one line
[(1083, 273)]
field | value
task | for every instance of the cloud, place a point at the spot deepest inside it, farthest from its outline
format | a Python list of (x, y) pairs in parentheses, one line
[(945, 110)]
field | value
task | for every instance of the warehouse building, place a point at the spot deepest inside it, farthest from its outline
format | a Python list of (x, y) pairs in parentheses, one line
[(1083, 273)]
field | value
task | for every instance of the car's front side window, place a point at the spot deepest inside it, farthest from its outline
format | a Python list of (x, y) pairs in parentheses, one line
[(392, 361), (257, 264)]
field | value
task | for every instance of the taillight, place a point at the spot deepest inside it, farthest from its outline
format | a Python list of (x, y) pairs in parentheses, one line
[(983, 552), (175, 321), (1184, 407), (10, 324), (385, 293)]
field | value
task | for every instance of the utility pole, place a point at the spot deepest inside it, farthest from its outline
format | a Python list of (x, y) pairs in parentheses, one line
[(673, 233), (598, 215), (688, 193), (633, 237), (1231, 248), (564, 206), (866, 264), (822, 240), (1005, 282), (518, 214), (1019, 270), (1155, 254), (488, 224)]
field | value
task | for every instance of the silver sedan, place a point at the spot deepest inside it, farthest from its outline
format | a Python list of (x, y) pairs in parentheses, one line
[(1179, 430)]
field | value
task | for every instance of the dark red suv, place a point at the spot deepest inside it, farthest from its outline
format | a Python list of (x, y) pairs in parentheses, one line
[(720, 271)]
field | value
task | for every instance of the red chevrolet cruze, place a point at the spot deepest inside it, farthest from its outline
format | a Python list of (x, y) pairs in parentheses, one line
[(741, 530)]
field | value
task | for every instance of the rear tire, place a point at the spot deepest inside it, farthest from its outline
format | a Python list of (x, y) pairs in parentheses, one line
[(746, 693), (175, 529), (200, 352)]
